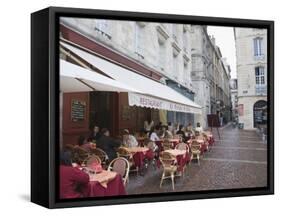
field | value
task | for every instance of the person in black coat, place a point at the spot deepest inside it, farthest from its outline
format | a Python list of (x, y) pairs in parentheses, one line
[(95, 134), (108, 144), (181, 132)]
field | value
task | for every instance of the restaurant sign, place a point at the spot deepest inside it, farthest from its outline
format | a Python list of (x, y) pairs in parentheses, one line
[(153, 102)]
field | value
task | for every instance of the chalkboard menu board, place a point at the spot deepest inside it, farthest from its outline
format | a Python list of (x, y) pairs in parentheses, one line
[(78, 109), (213, 120)]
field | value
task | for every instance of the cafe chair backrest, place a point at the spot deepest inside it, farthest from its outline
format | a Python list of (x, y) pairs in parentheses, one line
[(100, 153), (167, 144), (205, 136), (195, 146), (182, 146), (123, 152), (92, 159), (79, 155), (121, 166), (167, 159)]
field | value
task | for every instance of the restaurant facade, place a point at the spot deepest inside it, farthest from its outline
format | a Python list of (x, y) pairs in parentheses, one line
[(127, 94)]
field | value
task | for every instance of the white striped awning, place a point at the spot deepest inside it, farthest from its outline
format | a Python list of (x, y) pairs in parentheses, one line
[(148, 93)]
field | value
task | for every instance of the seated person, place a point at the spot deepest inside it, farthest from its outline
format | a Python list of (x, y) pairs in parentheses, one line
[(148, 126), (162, 132), (170, 127), (153, 134), (84, 144), (167, 134), (199, 128), (189, 131), (108, 144), (181, 132), (73, 182), (129, 140), (95, 134)]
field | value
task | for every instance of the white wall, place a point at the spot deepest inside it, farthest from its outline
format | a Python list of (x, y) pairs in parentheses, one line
[(15, 94)]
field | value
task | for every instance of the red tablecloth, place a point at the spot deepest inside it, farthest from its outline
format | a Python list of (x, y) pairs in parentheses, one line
[(114, 188), (211, 140), (181, 161), (139, 157)]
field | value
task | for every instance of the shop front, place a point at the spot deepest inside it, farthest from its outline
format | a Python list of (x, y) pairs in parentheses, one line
[(115, 98)]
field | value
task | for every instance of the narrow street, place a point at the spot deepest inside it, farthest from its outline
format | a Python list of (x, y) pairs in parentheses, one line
[(238, 160)]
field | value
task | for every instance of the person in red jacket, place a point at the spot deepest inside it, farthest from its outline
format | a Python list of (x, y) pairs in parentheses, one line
[(74, 183)]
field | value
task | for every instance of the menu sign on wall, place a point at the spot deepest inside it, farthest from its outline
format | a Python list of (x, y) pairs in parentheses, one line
[(78, 109)]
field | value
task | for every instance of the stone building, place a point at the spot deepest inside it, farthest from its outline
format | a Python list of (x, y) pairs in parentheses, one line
[(251, 54), (210, 75), (163, 48), (234, 98)]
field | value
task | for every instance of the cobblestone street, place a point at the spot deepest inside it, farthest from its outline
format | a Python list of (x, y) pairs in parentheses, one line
[(238, 160)]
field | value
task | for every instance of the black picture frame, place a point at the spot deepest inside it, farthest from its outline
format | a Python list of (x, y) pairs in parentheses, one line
[(45, 105)]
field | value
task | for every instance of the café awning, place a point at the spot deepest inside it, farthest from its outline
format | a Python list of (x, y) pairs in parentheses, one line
[(74, 78), (149, 93)]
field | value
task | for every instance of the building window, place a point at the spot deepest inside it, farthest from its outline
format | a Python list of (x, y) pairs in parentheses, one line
[(102, 26), (175, 31), (258, 46), (184, 41), (162, 56), (260, 78), (186, 73), (175, 66), (138, 41)]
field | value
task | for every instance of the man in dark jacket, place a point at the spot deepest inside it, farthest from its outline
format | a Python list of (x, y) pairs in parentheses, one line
[(181, 132), (108, 144), (95, 134)]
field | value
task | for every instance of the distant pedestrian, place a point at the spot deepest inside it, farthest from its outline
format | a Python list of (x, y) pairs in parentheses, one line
[(221, 119)]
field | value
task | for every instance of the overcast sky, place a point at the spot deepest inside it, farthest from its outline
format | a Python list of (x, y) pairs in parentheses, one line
[(225, 40)]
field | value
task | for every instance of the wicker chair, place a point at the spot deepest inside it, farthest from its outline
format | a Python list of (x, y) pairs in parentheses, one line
[(123, 152), (101, 154), (168, 162), (79, 155), (92, 159), (182, 146), (121, 166), (167, 144), (195, 150)]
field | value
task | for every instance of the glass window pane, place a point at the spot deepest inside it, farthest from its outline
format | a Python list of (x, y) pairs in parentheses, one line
[(257, 71)]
